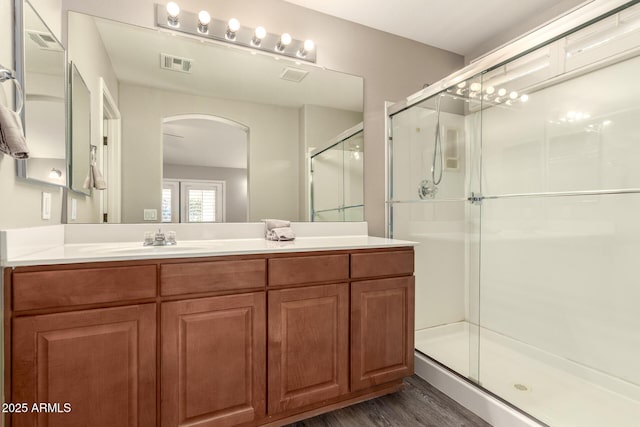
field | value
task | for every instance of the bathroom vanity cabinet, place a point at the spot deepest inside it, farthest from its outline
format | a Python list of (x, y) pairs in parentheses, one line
[(234, 340)]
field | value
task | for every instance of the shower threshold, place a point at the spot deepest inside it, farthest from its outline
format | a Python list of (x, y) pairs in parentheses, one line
[(554, 390)]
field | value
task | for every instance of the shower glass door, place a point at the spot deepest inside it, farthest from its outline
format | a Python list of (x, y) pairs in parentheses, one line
[(559, 322), (522, 186), (432, 171), (337, 180)]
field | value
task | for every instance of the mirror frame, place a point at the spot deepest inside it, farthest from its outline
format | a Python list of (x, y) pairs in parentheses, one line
[(19, 66)]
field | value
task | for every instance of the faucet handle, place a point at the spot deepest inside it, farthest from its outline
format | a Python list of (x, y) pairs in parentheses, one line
[(148, 238), (171, 238)]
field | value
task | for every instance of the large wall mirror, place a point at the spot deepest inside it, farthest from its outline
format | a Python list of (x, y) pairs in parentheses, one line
[(41, 67), (210, 132)]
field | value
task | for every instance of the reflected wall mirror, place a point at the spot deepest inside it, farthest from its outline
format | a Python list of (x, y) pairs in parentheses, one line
[(41, 67), (175, 93)]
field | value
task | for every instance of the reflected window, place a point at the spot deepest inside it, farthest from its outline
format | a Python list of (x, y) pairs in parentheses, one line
[(193, 201)]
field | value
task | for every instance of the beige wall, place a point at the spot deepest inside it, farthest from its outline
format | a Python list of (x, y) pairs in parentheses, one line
[(393, 67), (273, 149)]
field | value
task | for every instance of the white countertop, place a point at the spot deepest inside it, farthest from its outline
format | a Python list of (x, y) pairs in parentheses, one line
[(126, 251)]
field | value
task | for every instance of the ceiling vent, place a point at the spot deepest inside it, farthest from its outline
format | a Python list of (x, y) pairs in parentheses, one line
[(293, 74), (44, 40), (175, 63)]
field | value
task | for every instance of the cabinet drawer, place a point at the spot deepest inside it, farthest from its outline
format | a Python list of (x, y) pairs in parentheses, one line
[(187, 278), (62, 288), (391, 263), (308, 269)]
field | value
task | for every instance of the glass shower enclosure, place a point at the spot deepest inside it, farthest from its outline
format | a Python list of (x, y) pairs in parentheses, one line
[(521, 183), (337, 178)]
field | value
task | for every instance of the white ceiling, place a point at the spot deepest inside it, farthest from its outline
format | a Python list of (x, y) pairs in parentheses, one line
[(198, 142), (455, 25)]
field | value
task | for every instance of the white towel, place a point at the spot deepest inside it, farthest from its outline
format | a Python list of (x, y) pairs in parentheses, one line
[(98, 180), (94, 179), (12, 141), (278, 230), (276, 223), (280, 234)]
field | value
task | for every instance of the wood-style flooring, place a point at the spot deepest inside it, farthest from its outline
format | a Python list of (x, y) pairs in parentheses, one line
[(417, 404)]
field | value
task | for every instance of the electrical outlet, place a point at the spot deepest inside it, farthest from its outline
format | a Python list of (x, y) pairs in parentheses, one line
[(150, 214), (74, 209), (46, 205)]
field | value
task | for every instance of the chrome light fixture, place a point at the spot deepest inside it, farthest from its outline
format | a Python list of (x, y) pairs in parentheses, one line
[(202, 24)]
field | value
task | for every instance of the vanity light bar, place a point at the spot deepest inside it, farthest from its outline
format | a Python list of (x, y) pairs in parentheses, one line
[(203, 25)]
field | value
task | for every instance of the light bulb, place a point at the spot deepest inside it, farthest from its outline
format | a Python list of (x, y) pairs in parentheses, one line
[(203, 21), (284, 41), (204, 17), (502, 92), (173, 10), (308, 46), (259, 34), (234, 25), (55, 173), (462, 84), (524, 98), (513, 95), (490, 90), (476, 87)]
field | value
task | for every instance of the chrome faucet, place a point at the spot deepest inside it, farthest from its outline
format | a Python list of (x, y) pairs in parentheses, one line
[(160, 239)]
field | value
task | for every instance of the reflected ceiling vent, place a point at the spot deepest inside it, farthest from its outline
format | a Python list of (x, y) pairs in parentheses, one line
[(44, 40), (175, 63), (293, 74)]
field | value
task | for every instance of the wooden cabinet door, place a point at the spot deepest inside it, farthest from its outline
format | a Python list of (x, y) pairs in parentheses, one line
[(213, 361), (382, 331), (102, 362), (308, 345)]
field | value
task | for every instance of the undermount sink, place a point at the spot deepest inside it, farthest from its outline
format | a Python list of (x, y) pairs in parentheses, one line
[(172, 248), (140, 249)]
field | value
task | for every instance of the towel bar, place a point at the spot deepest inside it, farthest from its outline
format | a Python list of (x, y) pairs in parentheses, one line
[(8, 74)]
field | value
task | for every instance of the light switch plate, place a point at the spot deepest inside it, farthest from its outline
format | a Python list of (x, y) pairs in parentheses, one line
[(46, 205), (150, 214), (74, 209)]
